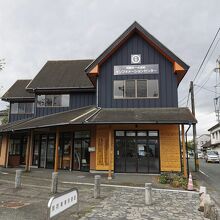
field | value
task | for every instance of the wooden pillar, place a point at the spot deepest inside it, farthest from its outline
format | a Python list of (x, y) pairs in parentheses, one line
[(28, 151), (109, 153), (7, 150), (57, 150), (31, 149), (184, 152)]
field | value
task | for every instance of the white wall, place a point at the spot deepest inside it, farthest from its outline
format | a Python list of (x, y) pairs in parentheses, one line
[(202, 139)]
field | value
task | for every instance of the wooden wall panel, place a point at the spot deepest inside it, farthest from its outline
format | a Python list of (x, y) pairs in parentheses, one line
[(169, 145), (3, 150), (102, 148)]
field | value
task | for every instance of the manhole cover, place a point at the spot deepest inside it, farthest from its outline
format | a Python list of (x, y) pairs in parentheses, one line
[(13, 204)]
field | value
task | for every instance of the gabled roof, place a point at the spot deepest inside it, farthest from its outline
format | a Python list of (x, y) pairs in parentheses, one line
[(18, 92), (179, 66), (214, 127), (62, 75)]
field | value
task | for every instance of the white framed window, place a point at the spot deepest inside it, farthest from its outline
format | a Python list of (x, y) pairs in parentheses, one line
[(119, 89), (135, 88), (22, 108), (53, 100), (152, 88)]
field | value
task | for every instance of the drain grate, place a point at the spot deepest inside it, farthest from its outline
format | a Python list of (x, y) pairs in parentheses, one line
[(13, 204)]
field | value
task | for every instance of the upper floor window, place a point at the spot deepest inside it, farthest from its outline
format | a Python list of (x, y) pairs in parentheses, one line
[(136, 88), (53, 100), (22, 108)]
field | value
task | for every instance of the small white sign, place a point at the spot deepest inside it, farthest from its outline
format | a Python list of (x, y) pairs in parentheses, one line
[(60, 203), (135, 58), (91, 149)]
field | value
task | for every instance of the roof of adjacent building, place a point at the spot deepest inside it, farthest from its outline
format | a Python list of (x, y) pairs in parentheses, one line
[(214, 127), (3, 112), (94, 115), (17, 91), (137, 28), (63, 74), (144, 115), (206, 145)]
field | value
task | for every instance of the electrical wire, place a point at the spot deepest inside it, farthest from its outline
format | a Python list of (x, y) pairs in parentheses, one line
[(197, 73)]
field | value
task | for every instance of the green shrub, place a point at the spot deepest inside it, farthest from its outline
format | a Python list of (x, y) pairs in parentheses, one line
[(163, 178), (174, 179)]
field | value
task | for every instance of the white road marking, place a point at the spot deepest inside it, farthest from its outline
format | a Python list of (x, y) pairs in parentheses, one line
[(203, 173), (3, 173)]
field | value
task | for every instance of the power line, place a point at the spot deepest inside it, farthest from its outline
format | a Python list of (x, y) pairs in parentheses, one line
[(210, 55), (205, 89), (206, 55)]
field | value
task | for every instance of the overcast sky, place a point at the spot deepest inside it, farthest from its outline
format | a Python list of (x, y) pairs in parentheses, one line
[(33, 32)]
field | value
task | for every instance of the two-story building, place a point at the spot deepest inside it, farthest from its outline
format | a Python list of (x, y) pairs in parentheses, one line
[(215, 137), (118, 112)]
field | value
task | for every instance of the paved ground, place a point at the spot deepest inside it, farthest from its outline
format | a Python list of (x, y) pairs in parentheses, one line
[(115, 203), (129, 204), (210, 177)]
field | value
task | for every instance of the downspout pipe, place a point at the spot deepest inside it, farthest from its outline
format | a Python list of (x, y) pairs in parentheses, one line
[(187, 158)]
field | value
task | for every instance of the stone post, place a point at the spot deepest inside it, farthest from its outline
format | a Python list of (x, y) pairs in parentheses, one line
[(54, 183), (18, 179), (97, 186), (148, 193)]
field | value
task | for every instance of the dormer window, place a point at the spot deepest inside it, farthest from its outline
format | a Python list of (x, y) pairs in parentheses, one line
[(53, 100)]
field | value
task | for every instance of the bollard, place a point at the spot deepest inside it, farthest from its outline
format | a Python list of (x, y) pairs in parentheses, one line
[(18, 179), (148, 193), (97, 186), (54, 183)]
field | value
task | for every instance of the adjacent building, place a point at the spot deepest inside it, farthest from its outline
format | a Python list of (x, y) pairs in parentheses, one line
[(118, 112), (3, 115), (202, 140), (215, 137)]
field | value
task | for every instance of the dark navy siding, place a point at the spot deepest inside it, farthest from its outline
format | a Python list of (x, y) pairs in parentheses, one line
[(77, 100), (16, 117), (149, 55)]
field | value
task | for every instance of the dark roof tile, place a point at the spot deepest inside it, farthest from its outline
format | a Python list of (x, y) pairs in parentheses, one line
[(17, 91), (62, 74)]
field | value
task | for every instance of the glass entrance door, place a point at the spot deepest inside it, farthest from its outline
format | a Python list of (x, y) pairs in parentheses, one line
[(50, 151), (47, 150), (81, 155), (137, 151), (43, 151)]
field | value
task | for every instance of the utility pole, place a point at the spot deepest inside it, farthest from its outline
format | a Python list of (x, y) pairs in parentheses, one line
[(191, 90)]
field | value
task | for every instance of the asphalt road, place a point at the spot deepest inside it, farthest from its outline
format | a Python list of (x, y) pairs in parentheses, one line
[(210, 177)]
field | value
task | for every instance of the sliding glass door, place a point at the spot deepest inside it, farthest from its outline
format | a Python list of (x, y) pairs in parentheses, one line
[(137, 151)]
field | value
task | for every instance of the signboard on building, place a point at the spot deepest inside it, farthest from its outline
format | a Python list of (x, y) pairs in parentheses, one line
[(136, 69), (135, 58)]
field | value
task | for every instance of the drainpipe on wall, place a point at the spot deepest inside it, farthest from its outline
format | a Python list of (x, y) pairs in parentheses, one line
[(187, 158), (97, 92)]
